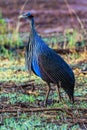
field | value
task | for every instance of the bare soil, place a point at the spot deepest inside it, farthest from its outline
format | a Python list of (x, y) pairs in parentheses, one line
[(54, 16)]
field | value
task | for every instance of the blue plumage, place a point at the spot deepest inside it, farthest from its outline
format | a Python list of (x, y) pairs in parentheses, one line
[(48, 65)]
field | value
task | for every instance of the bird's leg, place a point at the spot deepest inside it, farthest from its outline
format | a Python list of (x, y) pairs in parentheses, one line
[(33, 88), (71, 98), (58, 91), (47, 94)]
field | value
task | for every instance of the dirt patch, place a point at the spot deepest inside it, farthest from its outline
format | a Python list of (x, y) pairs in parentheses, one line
[(51, 16)]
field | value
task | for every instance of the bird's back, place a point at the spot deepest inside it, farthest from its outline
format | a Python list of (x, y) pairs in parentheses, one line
[(49, 65)]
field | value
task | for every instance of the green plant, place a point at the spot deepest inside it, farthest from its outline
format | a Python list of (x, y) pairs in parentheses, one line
[(9, 37), (3, 28), (63, 127), (17, 97), (76, 127)]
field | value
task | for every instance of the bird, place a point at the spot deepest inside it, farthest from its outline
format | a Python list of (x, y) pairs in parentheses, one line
[(46, 63)]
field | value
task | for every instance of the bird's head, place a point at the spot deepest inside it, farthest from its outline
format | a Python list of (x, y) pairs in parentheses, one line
[(26, 15)]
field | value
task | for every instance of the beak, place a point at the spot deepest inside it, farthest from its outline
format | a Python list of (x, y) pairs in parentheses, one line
[(22, 16)]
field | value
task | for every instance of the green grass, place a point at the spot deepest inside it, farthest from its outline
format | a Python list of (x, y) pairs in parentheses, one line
[(14, 71), (9, 39), (15, 97), (35, 122)]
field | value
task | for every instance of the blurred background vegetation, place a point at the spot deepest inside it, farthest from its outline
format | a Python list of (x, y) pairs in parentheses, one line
[(64, 27)]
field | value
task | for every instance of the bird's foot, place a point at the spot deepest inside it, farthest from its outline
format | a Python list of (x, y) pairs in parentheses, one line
[(45, 104), (48, 102), (60, 99), (33, 88), (42, 103)]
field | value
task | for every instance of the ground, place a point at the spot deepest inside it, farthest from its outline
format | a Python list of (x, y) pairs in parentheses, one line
[(21, 107), (25, 105)]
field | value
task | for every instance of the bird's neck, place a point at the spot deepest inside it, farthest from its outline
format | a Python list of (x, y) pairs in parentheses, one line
[(32, 25)]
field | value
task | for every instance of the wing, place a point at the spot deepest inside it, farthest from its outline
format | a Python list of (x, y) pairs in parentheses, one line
[(53, 68)]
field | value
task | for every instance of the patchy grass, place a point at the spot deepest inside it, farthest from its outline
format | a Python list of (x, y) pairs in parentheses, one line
[(13, 75), (34, 122)]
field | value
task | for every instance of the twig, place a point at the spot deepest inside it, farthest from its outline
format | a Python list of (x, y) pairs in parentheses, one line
[(18, 23), (84, 120), (31, 83), (39, 110), (31, 110), (6, 85), (71, 10)]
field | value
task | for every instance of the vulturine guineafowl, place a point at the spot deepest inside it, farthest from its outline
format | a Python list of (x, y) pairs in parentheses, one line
[(47, 64)]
